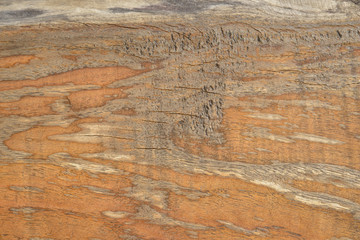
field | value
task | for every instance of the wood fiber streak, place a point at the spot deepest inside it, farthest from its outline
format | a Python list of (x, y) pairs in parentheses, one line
[(189, 129)]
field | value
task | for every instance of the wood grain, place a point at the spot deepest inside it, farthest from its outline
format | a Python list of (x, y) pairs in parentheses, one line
[(158, 126)]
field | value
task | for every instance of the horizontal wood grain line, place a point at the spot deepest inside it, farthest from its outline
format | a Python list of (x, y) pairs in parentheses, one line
[(181, 128)]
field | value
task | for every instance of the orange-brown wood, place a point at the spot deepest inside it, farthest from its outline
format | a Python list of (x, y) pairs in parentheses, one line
[(180, 129)]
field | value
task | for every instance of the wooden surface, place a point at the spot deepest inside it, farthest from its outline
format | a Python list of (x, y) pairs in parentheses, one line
[(160, 121)]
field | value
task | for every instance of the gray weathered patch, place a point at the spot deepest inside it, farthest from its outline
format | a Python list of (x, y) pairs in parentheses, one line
[(175, 6), (20, 14)]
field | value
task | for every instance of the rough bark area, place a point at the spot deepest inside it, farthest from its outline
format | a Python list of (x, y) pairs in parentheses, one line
[(202, 127)]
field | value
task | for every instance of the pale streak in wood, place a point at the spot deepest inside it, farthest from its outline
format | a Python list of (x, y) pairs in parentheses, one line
[(181, 128)]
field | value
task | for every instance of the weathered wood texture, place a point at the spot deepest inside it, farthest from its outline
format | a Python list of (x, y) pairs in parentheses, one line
[(202, 127)]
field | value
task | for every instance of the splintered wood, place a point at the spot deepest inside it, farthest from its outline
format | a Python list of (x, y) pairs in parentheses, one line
[(205, 127)]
